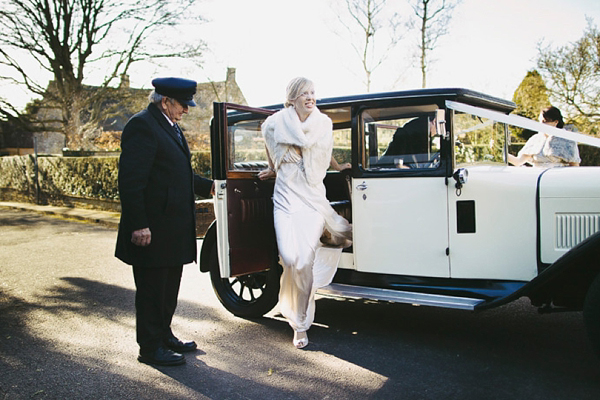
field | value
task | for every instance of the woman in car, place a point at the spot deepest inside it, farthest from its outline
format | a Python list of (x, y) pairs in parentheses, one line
[(299, 143), (543, 150)]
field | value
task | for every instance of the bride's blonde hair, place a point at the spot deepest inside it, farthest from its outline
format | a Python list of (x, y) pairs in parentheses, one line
[(295, 88)]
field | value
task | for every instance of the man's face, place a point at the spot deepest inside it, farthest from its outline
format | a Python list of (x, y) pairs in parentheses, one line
[(173, 109)]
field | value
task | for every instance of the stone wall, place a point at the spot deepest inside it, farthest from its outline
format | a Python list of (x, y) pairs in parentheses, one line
[(49, 142)]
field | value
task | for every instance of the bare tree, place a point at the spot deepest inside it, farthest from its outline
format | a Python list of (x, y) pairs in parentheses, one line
[(367, 24), (66, 39), (433, 18), (572, 73)]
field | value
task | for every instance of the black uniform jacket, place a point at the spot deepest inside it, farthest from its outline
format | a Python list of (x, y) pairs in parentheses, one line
[(156, 186)]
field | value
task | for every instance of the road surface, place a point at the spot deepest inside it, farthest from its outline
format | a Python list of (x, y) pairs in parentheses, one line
[(67, 331)]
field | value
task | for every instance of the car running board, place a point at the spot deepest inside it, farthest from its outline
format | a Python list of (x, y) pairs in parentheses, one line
[(397, 296)]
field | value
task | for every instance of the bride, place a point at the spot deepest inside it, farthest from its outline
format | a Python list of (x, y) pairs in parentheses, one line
[(299, 141)]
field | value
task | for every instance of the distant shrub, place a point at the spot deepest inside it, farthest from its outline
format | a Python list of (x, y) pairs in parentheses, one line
[(62, 178)]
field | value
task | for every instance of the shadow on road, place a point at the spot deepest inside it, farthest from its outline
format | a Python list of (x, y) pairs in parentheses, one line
[(417, 350), (510, 352), (38, 367)]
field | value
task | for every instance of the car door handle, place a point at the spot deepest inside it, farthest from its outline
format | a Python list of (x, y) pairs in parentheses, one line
[(362, 186)]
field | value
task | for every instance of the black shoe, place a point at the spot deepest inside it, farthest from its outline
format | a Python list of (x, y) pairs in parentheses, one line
[(161, 356), (180, 346)]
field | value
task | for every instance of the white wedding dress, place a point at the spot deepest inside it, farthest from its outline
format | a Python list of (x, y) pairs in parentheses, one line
[(301, 212)]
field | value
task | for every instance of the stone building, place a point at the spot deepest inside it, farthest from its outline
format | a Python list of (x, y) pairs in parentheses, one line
[(14, 141), (123, 102), (196, 125)]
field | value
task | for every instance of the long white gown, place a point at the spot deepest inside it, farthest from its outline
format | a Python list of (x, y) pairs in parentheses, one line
[(301, 212)]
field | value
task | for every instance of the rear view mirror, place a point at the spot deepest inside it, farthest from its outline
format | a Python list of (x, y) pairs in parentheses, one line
[(440, 117)]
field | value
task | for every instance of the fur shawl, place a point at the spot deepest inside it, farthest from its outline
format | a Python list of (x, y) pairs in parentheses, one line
[(314, 137), (553, 148)]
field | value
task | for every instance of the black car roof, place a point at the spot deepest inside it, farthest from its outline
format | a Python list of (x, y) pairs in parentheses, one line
[(435, 94)]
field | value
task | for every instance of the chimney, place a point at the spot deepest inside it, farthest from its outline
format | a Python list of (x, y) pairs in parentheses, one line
[(124, 82), (230, 75)]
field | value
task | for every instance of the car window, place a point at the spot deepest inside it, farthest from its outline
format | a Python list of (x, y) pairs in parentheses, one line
[(342, 134), (247, 151), (400, 138), (246, 146), (478, 140)]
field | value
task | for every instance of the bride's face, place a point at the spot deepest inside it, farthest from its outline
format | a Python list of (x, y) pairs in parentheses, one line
[(306, 102)]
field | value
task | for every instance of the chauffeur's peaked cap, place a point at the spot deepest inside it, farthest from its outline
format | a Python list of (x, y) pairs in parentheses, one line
[(180, 89)]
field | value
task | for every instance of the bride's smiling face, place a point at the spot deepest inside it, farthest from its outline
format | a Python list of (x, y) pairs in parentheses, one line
[(305, 103)]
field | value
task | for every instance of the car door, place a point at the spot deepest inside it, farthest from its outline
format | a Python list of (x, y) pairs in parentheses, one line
[(493, 216), (243, 203), (399, 194)]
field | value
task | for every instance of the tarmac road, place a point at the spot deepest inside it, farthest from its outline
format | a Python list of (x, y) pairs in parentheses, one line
[(67, 331)]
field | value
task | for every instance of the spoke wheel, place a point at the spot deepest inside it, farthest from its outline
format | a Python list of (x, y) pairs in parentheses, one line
[(247, 296)]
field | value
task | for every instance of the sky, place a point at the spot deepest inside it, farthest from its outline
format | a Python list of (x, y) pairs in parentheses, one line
[(490, 47)]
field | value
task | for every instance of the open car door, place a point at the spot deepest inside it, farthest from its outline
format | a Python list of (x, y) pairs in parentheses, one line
[(243, 203)]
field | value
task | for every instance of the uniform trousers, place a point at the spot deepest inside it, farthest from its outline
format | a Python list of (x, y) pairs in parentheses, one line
[(156, 295)]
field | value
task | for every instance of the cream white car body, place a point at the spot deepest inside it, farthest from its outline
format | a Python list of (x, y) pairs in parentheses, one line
[(453, 226)]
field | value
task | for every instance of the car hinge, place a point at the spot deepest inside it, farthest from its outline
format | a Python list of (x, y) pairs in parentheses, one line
[(447, 251)]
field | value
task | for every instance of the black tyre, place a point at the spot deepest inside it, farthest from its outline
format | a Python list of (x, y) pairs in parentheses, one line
[(591, 314), (246, 296)]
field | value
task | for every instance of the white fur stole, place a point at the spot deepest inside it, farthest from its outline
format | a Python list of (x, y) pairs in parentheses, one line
[(313, 136)]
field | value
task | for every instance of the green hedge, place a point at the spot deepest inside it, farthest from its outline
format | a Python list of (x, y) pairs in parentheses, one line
[(62, 179), (342, 154), (590, 155)]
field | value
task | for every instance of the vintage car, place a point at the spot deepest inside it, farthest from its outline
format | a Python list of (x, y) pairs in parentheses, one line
[(439, 217)]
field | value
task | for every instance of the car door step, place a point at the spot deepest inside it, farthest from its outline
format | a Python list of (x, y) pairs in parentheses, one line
[(397, 296)]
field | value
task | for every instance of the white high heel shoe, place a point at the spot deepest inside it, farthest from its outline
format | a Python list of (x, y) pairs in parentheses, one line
[(300, 339)]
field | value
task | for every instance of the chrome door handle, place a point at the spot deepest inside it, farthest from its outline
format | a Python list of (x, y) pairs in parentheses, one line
[(362, 186)]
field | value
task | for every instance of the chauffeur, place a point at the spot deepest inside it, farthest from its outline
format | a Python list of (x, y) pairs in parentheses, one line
[(157, 229)]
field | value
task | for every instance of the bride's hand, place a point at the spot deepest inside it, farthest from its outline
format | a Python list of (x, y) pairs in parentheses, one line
[(266, 174)]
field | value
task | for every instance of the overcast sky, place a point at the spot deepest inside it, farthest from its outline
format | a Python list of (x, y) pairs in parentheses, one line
[(490, 47)]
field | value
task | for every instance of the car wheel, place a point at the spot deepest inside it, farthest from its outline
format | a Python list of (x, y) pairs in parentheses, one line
[(591, 314), (246, 296)]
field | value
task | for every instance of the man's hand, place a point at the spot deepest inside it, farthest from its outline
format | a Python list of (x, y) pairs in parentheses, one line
[(141, 237)]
